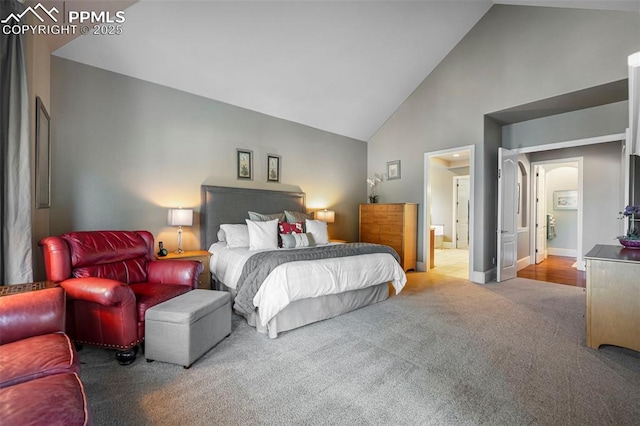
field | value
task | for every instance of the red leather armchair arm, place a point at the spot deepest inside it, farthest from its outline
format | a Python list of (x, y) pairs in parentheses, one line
[(183, 272), (31, 314), (99, 290)]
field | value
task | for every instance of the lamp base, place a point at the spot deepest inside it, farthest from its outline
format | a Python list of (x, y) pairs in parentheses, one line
[(179, 251)]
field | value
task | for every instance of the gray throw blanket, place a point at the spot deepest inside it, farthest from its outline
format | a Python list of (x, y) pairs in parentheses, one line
[(260, 265)]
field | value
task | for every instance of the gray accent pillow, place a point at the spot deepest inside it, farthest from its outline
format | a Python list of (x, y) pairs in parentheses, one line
[(297, 240), (260, 217), (293, 217)]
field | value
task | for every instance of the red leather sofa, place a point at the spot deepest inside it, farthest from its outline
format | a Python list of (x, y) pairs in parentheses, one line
[(111, 279), (39, 382)]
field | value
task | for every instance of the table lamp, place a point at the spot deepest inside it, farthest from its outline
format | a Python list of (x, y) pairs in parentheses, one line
[(325, 215), (180, 218)]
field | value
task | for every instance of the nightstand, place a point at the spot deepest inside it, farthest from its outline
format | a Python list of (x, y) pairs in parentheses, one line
[(202, 256), (333, 240)]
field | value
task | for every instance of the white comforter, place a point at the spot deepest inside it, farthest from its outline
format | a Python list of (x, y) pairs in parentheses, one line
[(304, 279)]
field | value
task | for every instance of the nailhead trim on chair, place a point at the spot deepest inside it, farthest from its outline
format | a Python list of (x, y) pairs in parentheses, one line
[(106, 345)]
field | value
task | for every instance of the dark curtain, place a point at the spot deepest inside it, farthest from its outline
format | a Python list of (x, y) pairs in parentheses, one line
[(15, 189)]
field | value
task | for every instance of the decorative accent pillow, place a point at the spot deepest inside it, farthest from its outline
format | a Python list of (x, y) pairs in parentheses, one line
[(291, 228), (293, 217), (297, 240), (236, 235), (265, 217), (263, 235), (221, 236), (318, 229)]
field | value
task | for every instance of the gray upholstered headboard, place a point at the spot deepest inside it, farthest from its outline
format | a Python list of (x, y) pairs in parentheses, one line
[(231, 205)]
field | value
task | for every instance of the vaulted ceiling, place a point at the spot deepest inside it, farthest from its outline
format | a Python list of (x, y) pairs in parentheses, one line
[(339, 66)]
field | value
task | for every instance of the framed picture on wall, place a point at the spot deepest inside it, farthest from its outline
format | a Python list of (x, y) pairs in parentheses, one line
[(393, 170), (565, 200), (43, 156), (245, 164), (273, 168)]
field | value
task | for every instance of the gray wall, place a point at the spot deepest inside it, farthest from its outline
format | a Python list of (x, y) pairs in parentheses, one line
[(513, 56), (585, 123), (125, 150)]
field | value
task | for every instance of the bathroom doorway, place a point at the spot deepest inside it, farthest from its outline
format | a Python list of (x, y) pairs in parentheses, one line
[(448, 219)]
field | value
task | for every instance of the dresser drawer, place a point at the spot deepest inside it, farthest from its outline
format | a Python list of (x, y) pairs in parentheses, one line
[(390, 229), (370, 238), (395, 208), (390, 239), (367, 217), (395, 217), (370, 228)]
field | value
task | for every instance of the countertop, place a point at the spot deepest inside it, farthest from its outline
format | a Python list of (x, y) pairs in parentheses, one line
[(614, 254)]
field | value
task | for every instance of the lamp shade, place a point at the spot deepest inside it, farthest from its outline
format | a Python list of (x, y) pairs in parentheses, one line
[(180, 217), (325, 215)]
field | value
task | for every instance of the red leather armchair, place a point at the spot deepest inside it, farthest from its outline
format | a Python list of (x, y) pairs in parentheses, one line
[(111, 279), (39, 368)]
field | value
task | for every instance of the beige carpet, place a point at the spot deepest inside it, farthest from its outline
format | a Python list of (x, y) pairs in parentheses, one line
[(444, 351)]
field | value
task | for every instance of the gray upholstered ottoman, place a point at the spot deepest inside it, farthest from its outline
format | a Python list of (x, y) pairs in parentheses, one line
[(182, 329)]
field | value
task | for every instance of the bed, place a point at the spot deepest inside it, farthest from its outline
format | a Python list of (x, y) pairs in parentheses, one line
[(278, 290)]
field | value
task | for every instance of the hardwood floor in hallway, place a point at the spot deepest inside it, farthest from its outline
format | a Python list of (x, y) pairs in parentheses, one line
[(556, 269)]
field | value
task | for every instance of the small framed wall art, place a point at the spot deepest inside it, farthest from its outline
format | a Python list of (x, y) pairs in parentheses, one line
[(273, 168), (393, 170), (565, 200), (245, 164)]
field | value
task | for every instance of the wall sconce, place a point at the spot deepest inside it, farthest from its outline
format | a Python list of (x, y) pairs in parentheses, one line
[(325, 215), (180, 218)]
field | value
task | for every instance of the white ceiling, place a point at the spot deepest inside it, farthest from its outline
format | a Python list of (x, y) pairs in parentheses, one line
[(339, 66)]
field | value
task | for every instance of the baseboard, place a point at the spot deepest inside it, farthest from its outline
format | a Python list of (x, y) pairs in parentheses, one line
[(484, 277), (552, 251), (523, 263)]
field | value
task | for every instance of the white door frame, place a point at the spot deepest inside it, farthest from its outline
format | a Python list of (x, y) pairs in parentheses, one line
[(454, 233), (426, 196), (532, 236)]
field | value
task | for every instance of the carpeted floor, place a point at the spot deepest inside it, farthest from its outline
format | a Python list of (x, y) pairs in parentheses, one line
[(444, 351)]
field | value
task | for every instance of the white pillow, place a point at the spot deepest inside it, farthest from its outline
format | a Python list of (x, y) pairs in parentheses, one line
[(236, 235), (263, 235), (318, 229), (221, 236)]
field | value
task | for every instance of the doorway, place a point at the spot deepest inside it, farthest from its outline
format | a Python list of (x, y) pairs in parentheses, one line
[(556, 212), (606, 157), (448, 221)]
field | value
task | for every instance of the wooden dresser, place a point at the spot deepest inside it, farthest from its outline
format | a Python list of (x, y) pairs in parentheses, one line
[(613, 297), (395, 225)]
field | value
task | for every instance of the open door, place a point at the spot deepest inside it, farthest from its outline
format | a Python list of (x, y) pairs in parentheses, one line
[(462, 212), (507, 215), (541, 215)]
